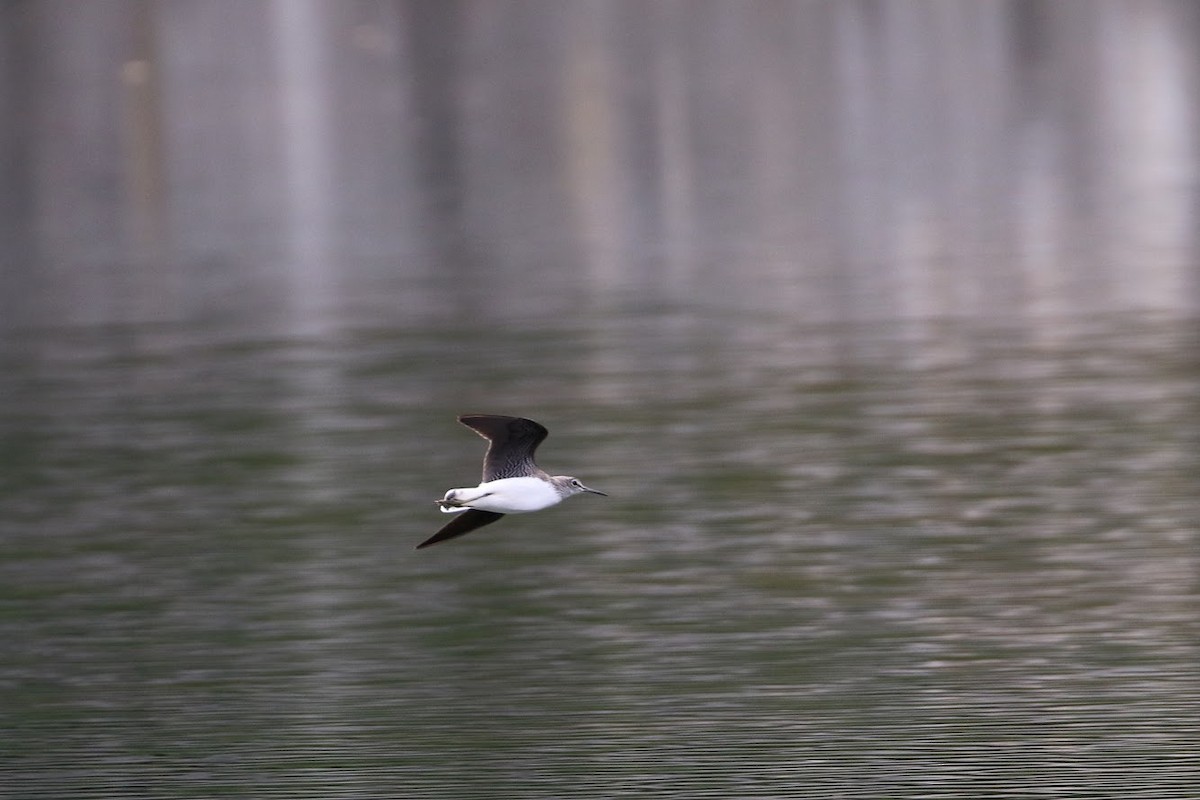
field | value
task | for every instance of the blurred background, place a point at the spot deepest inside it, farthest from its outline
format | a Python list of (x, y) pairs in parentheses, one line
[(833, 160), (876, 319)]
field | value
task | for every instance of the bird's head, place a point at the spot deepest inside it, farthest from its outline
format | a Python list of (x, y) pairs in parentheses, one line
[(568, 486)]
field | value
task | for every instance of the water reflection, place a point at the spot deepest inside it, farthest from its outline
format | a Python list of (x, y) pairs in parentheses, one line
[(838, 561), (839, 160)]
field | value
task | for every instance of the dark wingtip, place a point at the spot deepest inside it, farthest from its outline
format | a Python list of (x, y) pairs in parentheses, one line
[(437, 537), (461, 524)]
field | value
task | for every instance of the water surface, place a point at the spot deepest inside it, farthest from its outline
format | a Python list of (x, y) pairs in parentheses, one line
[(838, 561)]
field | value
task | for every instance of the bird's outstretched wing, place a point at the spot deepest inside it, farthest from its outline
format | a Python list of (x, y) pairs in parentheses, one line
[(511, 442), (462, 523)]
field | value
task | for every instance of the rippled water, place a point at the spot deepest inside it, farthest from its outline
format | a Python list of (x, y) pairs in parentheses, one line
[(844, 561)]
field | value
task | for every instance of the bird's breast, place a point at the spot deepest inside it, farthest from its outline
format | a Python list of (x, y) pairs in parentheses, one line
[(515, 495)]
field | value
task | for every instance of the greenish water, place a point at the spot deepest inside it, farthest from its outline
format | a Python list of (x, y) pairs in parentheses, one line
[(845, 561)]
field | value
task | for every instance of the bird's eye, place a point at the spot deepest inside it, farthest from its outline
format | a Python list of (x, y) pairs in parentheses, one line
[(576, 483)]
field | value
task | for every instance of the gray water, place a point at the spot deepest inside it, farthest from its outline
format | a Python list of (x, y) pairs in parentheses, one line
[(838, 561)]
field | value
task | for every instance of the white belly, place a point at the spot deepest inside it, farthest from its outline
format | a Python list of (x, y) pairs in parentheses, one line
[(509, 495)]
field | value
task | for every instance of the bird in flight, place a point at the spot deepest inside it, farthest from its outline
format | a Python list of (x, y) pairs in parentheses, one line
[(512, 482)]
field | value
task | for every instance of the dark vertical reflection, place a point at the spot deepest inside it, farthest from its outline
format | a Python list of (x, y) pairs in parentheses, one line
[(152, 281), (1191, 24), (434, 31), (19, 72)]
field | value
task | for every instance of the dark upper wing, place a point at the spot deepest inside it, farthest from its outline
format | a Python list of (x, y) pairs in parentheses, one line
[(462, 523), (512, 441)]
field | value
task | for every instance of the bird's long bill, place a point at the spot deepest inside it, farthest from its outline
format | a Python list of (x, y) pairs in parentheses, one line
[(595, 491)]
